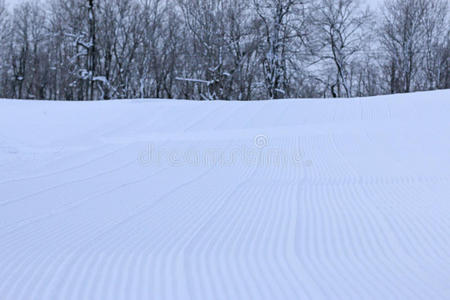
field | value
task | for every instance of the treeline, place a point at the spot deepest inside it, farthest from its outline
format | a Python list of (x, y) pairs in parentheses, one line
[(221, 49)]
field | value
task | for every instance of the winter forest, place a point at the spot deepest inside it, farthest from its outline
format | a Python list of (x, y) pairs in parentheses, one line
[(221, 49)]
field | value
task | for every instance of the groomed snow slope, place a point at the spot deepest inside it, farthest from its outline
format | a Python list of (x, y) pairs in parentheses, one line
[(295, 199)]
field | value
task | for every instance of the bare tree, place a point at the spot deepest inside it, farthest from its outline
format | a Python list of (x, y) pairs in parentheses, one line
[(91, 47), (120, 35), (28, 58), (340, 37), (412, 31), (220, 49), (5, 37), (4, 20), (278, 31), (436, 29)]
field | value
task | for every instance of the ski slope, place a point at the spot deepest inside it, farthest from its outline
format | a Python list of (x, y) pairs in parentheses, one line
[(291, 199)]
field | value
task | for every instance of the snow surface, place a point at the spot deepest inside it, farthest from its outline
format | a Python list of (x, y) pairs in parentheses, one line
[(294, 199)]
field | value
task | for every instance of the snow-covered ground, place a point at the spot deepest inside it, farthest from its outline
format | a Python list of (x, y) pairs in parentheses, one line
[(295, 199)]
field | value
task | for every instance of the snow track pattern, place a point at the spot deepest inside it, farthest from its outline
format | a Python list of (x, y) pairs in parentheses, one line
[(359, 211)]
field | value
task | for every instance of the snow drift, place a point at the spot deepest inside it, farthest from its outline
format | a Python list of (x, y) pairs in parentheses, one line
[(292, 199)]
